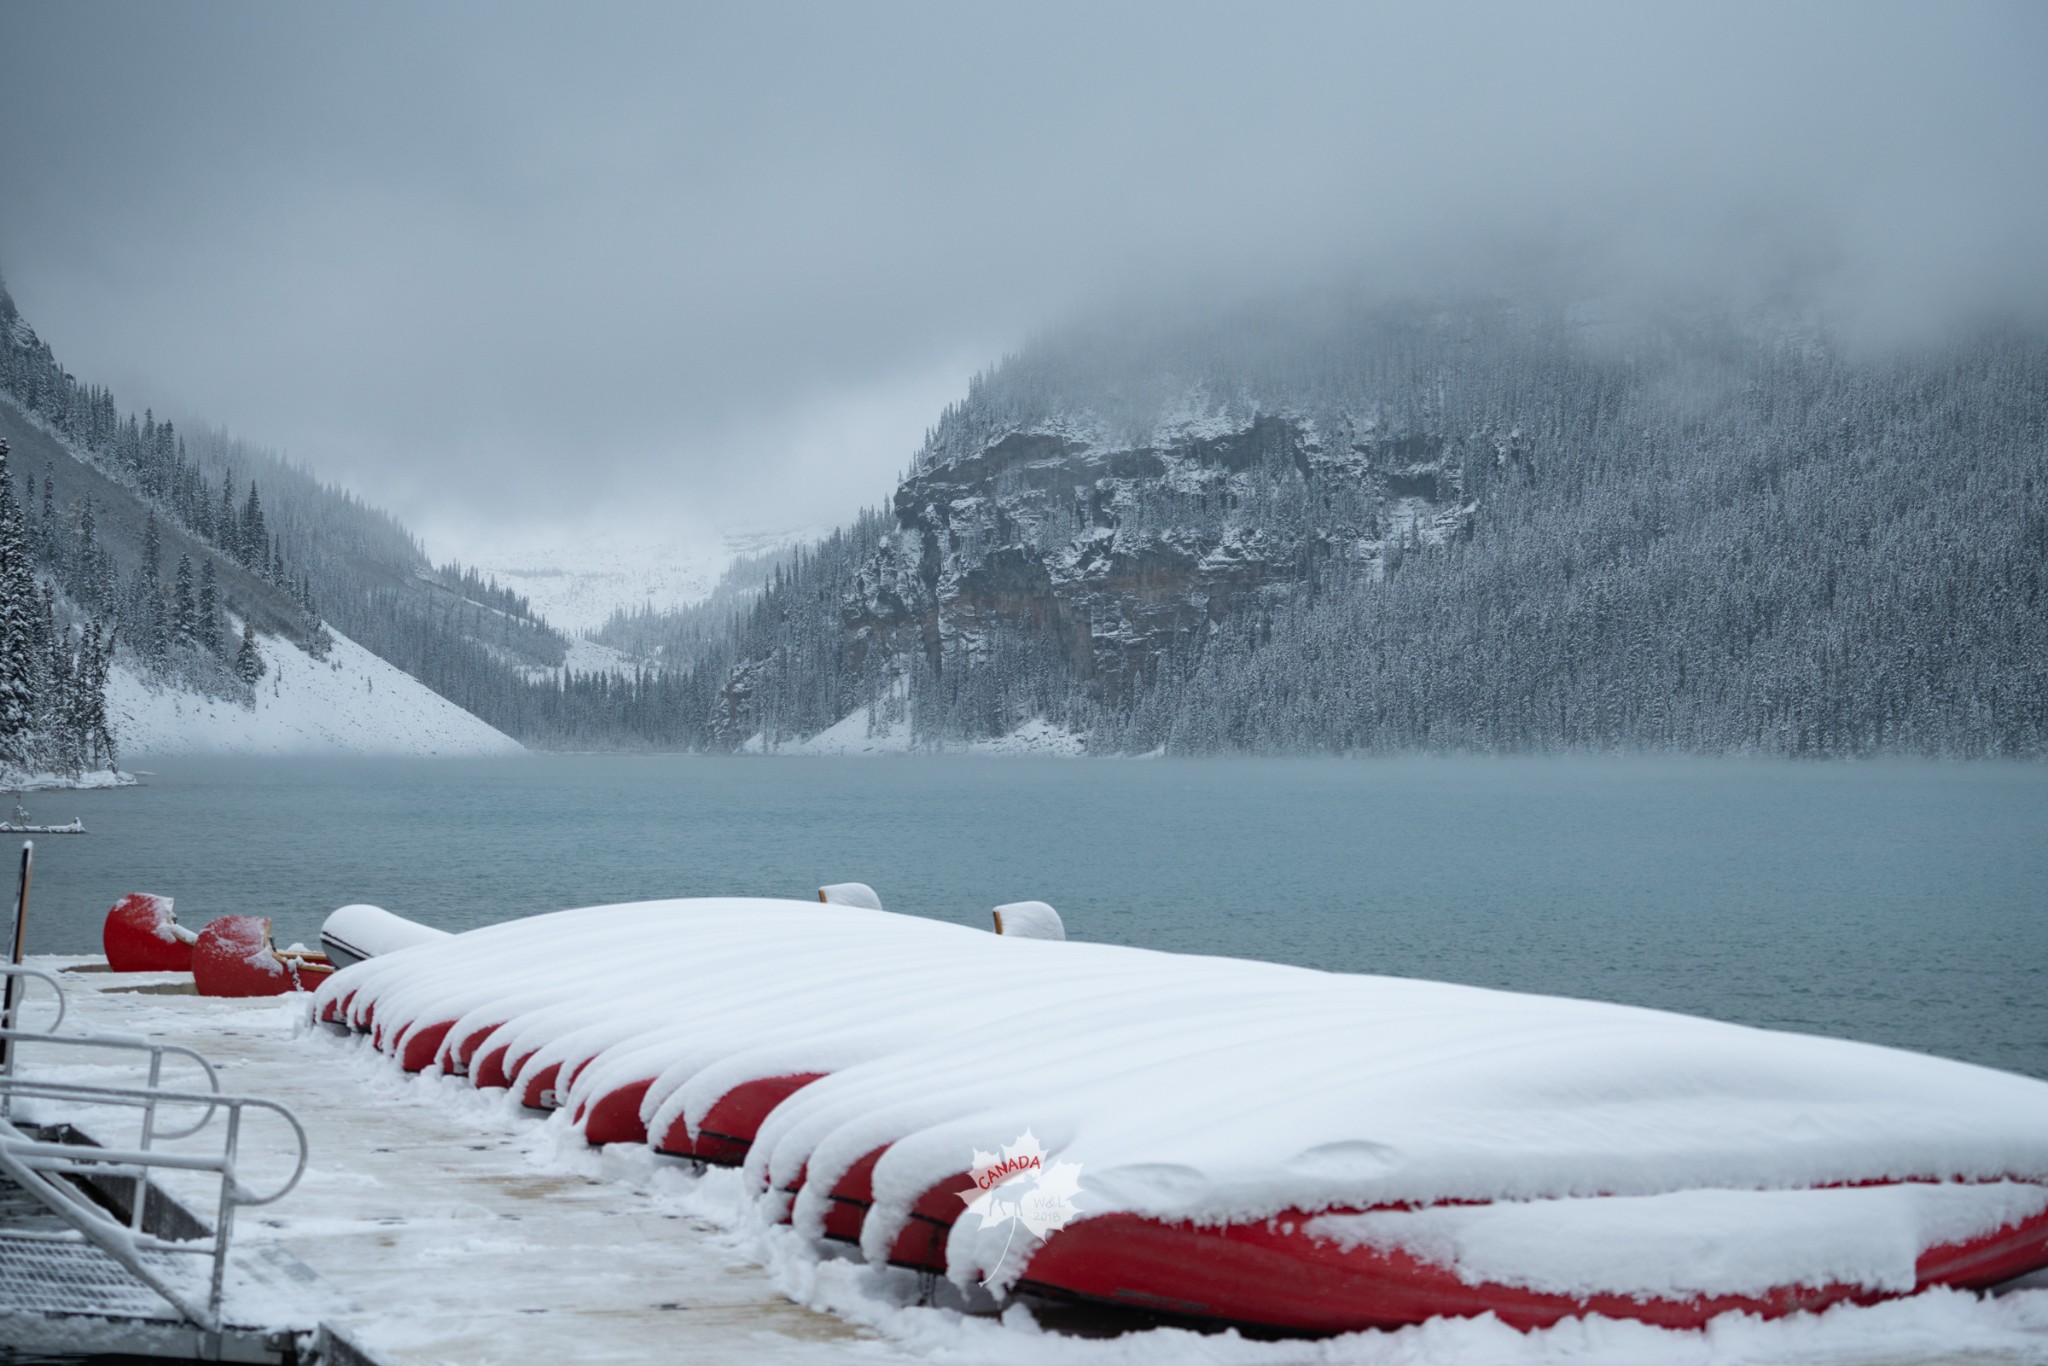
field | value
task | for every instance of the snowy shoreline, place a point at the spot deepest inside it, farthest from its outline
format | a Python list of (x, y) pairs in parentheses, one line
[(351, 702), (66, 782)]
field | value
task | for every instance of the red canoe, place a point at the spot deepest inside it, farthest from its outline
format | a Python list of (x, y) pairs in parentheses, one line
[(233, 956), (141, 935), (1288, 1273)]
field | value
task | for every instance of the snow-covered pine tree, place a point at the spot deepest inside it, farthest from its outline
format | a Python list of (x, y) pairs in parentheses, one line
[(46, 525), (248, 660), (184, 611), (149, 627), (88, 555), (17, 599), (87, 738), (254, 539), (207, 627), (226, 534), (57, 705)]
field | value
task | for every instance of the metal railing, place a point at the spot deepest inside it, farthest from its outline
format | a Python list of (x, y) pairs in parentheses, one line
[(61, 1175)]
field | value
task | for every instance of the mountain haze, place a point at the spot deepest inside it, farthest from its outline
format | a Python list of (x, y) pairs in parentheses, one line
[(1470, 525), (1322, 524)]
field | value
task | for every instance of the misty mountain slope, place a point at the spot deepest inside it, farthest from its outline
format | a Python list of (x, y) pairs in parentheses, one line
[(120, 518), (1479, 527), (285, 550), (348, 702), (582, 584)]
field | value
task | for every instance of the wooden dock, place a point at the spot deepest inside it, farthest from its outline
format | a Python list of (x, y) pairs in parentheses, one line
[(423, 1233)]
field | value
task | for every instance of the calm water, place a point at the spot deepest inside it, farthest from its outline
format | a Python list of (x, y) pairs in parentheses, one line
[(1900, 903)]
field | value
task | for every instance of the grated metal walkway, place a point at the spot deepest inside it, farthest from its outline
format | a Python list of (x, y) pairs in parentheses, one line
[(79, 1279), (67, 1297)]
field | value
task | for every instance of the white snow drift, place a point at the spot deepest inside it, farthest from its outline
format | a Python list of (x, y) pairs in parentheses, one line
[(352, 702)]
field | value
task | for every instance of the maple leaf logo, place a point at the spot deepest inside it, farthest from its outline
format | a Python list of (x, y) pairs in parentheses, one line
[(1020, 1186)]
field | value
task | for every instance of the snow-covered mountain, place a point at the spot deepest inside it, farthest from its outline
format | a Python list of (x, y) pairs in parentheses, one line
[(351, 702), (577, 583), (1471, 527)]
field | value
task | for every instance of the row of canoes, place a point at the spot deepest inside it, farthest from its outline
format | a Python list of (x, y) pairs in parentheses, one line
[(800, 1046)]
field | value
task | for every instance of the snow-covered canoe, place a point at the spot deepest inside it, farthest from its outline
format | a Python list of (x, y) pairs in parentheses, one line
[(1253, 1143), (142, 935)]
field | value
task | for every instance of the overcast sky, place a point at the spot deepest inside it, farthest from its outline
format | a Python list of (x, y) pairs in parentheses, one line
[(505, 269)]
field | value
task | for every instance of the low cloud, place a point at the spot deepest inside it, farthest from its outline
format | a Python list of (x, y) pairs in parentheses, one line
[(510, 266)]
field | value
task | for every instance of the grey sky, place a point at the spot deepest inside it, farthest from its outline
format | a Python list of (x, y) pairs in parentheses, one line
[(506, 267)]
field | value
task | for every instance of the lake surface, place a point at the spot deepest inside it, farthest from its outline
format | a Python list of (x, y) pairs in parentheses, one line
[(1902, 903)]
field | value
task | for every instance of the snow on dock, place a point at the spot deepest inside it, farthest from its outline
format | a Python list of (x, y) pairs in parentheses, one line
[(439, 1223), (430, 1233)]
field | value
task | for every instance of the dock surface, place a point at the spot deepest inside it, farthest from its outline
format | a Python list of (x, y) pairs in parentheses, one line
[(429, 1233), (438, 1224)]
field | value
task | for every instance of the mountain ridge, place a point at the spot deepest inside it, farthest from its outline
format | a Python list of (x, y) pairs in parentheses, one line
[(1478, 527)]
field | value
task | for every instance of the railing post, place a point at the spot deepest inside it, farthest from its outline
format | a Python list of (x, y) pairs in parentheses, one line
[(28, 853), (156, 1069), (224, 1223)]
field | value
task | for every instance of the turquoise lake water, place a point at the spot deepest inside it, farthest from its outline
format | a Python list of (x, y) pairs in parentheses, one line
[(1902, 903)]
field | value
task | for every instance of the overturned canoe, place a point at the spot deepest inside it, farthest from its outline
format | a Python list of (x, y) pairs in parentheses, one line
[(233, 956), (1238, 1141), (353, 933), (142, 935)]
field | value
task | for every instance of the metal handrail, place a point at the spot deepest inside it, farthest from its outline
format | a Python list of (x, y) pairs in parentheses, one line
[(138, 1097), (56, 989), (40, 1167), (118, 1042)]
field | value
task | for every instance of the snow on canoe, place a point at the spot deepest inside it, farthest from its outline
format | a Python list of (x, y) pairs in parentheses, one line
[(1254, 1143), (141, 935), (353, 933), (233, 956)]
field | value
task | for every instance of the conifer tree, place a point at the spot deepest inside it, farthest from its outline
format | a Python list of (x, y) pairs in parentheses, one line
[(225, 533), (248, 661), (254, 539), (17, 598), (207, 631), (184, 611), (46, 528)]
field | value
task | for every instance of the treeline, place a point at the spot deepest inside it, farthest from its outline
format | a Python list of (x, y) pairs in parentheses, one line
[(53, 679), (681, 637), (744, 658), (330, 556), (468, 584), (148, 456), (1833, 559)]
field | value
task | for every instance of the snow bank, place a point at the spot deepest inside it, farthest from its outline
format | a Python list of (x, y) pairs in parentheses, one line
[(14, 781), (859, 734), (854, 734), (1036, 736), (1218, 1090), (352, 702)]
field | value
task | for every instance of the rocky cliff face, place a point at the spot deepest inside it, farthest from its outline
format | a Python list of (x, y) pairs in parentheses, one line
[(1119, 550)]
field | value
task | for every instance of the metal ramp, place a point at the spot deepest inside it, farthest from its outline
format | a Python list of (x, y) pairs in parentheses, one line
[(96, 1256)]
